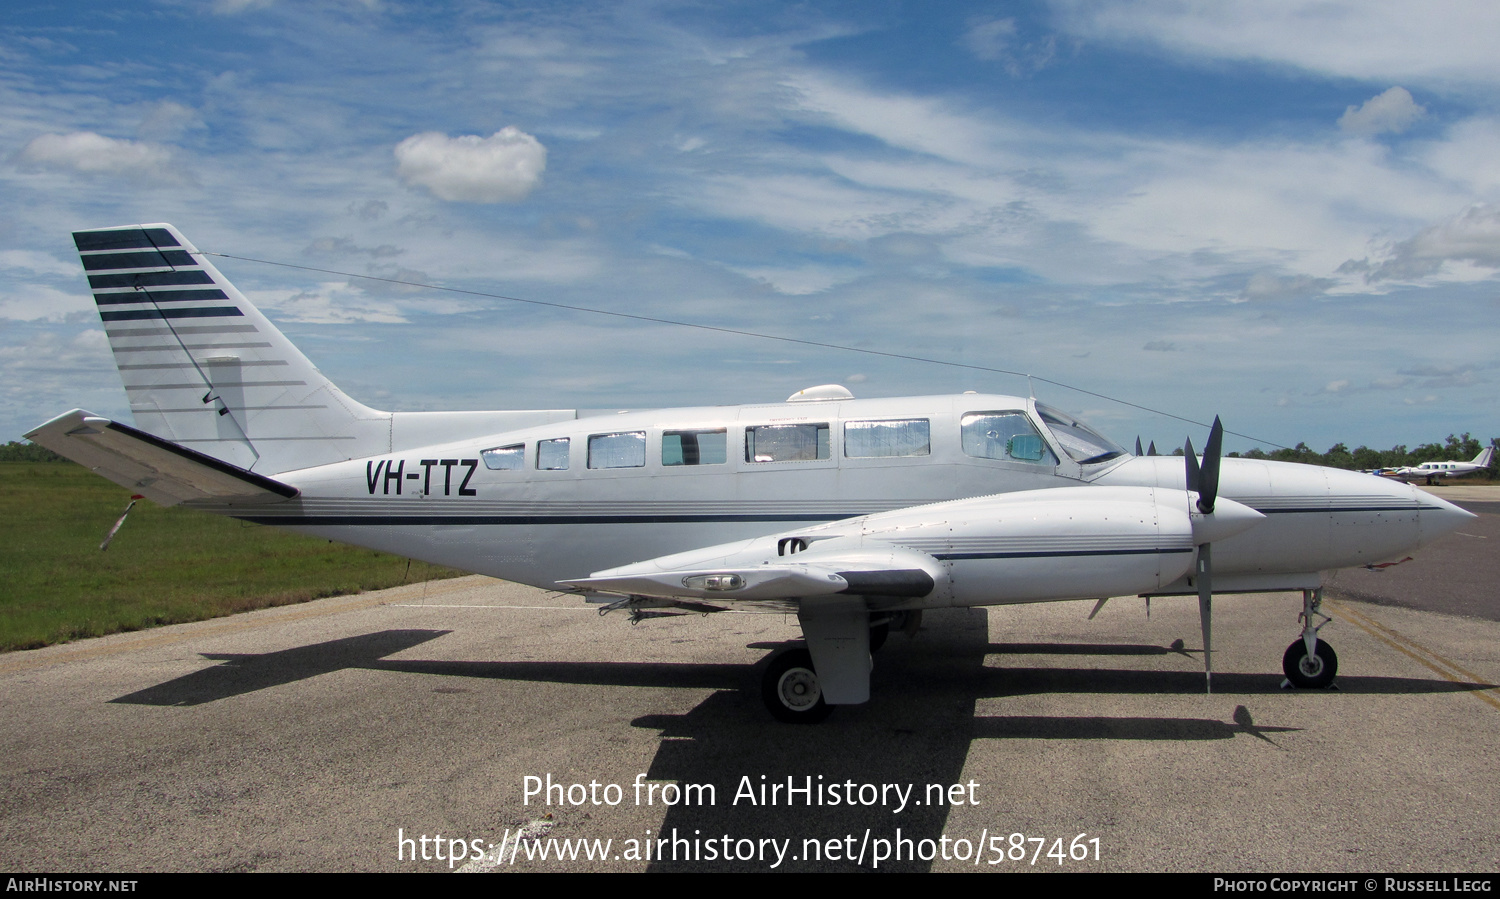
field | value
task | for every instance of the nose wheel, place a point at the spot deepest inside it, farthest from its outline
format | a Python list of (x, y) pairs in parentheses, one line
[(790, 689), (1310, 672), (1309, 663)]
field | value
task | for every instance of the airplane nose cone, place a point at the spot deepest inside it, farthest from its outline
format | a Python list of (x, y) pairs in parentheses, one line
[(1438, 516)]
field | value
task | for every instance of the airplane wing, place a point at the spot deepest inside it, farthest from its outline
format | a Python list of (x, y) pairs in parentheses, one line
[(1033, 546), (160, 470)]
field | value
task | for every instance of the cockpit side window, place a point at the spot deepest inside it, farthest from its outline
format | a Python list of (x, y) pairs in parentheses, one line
[(1082, 443), (1009, 436)]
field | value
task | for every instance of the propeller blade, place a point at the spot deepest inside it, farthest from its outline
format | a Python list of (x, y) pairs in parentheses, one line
[(1208, 482), (1204, 481), (1152, 451), (1138, 445), (1190, 458), (1206, 611)]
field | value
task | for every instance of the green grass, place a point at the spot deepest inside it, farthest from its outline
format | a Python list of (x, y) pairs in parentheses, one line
[(164, 566)]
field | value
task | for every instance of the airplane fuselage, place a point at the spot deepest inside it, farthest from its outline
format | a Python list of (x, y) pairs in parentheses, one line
[(557, 501), (848, 512)]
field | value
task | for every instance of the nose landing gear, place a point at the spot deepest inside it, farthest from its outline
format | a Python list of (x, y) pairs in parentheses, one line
[(1309, 663)]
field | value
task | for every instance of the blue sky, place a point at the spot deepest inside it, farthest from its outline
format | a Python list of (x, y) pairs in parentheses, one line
[(1284, 213)]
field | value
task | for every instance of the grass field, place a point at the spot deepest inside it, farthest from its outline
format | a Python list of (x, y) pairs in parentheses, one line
[(164, 566)]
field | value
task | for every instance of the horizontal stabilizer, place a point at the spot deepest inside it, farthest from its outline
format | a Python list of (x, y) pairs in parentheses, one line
[(160, 470)]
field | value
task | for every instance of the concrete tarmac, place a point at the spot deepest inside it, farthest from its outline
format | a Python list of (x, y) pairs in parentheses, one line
[(337, 735)]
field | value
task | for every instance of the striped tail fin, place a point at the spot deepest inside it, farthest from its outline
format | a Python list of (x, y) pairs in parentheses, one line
[(205, 369)]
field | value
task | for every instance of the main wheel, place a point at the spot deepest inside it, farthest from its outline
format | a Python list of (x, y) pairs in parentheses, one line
[(790, 689), (1310, 672), (878, 635)]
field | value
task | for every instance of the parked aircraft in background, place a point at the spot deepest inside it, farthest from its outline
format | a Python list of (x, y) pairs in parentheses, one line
[(854, 514), (1433, 472)]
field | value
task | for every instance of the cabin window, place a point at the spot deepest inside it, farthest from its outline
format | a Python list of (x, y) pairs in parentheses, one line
[(694, 447), (876, 439), (626, 449), (1009, 436), (552, 455), (787, 443), (505, 458)]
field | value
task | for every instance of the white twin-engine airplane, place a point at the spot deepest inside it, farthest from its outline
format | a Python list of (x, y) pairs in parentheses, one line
[(1434, 472), (854, 514)]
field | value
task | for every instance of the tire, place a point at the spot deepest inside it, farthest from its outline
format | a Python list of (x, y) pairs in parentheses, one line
[(1310, 672), (790, 689), (878, 635)]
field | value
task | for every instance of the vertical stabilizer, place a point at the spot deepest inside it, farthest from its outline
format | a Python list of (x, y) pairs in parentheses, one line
[(1484, 457), (204, 368)]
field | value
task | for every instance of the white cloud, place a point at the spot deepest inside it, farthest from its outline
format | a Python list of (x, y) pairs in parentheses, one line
[(990, 39), (234, 7), (800, 281), (38, 262), (503, 167), (1469, 155), (1266, 286), (1302, 207), (343, 246), (920, 124), (87, 153), (1393, 111), (167, 120), (1472, 237), (996, 40), (38, 302), (330, 303), (804, 204), (369, 210), (1446, 41)]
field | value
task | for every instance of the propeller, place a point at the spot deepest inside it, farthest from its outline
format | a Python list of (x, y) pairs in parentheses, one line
[(1152, 450), (1138, 446), (1204, 481)]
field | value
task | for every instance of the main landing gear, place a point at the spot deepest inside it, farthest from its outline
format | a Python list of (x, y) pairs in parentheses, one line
[(790, 689), (1310, 663), (801, 686)]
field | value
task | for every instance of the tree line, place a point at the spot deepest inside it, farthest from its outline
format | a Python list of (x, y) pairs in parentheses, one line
[(1453, 449), (27, 452)]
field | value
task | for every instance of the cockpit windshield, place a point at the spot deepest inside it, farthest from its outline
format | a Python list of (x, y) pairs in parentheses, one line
[(1082, 443)]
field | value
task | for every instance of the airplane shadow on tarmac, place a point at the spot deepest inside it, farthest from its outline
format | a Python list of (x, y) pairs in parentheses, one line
[(914, 733)]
